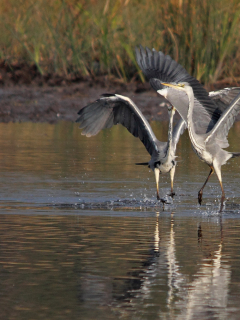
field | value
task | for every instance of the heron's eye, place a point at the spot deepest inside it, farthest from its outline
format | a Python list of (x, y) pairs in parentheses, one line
[(181, 85)]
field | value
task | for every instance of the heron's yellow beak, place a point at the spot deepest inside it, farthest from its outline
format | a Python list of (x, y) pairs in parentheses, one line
[(180, 85)]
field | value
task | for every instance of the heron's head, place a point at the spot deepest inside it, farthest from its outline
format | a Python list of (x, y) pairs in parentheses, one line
[(169, 87), (154, 165), (157, 164)]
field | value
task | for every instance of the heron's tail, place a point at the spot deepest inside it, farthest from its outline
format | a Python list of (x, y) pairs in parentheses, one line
[(235, 154)]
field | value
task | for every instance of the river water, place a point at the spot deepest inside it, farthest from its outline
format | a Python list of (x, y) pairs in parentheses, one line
[(83, 237)]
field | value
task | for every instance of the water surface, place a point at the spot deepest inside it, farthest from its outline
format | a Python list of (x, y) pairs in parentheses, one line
[(83, 237)]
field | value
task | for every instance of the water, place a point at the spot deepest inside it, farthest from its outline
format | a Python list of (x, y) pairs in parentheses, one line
[(83, 237)]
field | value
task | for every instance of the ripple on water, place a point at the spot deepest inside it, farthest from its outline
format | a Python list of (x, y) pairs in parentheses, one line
[(80, 237), (122, 267)]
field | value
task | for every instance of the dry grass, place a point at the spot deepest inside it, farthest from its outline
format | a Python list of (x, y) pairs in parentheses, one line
[(91, 37)]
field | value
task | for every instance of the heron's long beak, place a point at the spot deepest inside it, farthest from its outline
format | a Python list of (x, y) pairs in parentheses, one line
[(164, 92), (142, 164), (175, 86), (157, 172), (167, 84)]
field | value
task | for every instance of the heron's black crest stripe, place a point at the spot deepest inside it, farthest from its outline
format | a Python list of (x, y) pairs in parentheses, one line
[(108, 95)]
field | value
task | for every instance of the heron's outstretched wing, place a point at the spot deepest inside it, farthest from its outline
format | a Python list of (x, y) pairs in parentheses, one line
[(159, 66), (177, 132), (112, 109), (219, 133)]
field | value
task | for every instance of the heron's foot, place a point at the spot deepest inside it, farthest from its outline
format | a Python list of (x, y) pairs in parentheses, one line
[(200, 197), (172, 194), (163, 200)]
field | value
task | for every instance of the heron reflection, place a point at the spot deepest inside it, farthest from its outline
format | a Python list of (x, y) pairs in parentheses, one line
[(186, 299)]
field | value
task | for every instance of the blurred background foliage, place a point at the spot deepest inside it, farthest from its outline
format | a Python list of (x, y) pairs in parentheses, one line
[(98, 37)]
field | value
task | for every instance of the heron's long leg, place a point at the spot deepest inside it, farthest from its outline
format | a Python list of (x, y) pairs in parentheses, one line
[(157, 172), (201, 190), (219, 175), (171, 112), (172, 173)]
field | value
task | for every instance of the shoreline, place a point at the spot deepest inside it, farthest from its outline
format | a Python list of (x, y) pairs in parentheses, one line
[(55, 103)]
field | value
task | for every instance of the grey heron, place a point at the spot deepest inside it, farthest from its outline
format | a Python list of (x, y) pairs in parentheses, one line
[(112, 109), (209, 117)]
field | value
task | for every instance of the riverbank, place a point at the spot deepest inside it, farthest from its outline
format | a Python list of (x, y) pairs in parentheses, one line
[(51, 104), (55, 103)]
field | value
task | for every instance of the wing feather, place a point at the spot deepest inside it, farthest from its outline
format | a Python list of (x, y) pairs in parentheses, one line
[(110, 110), (221, 129), (224, 97), (168, 70)]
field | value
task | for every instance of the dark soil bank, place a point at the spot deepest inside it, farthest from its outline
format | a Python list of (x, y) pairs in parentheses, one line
[(53, 102)]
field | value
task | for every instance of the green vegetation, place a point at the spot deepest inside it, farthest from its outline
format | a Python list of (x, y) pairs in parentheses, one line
[(92, 37)]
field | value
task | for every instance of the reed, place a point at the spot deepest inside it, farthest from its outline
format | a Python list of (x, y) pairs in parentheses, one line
[(94, 37)]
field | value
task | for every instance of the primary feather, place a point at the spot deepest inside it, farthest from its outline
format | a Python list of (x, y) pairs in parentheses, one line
[(158, 68), (112, 109)]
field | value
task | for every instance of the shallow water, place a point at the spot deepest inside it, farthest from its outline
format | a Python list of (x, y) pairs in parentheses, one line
[(83, 237)]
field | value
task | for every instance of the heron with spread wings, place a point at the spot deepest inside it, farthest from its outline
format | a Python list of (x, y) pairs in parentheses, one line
[(112, 109), (207, 116)]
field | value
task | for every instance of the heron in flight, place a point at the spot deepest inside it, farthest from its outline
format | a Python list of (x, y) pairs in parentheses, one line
[(112, 109), (209, 117)]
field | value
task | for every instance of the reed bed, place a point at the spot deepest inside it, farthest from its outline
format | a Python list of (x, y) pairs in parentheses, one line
[(96, 37)]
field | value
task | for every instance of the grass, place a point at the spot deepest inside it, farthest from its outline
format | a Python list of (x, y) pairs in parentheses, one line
[(93, 37)]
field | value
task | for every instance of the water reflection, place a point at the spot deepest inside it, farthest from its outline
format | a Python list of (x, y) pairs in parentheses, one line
[(80, 237), (207, 294), (124, 267), (204, 297)]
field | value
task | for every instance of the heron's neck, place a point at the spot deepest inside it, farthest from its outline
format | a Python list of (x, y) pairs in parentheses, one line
[(189, 92), (191, 129), (170, 130)]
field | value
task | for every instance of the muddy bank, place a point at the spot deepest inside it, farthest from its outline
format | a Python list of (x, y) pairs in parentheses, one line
[(54, 103), (51, 104)]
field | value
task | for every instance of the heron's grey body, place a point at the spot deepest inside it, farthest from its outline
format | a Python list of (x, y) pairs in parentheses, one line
[(112, 109), (208, 116)]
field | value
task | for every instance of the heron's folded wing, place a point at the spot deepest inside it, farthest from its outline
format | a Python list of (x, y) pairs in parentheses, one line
[(219, 133), (159, 66), (112, 109), (178, 130), (224, 97)]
